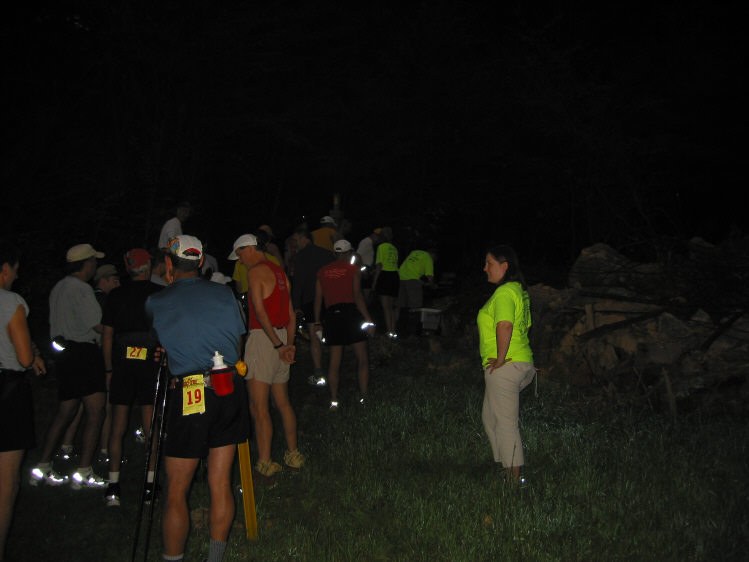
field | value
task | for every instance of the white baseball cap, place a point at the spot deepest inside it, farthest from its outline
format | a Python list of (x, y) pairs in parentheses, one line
[(244, 240), (342, 246), (186, 247)]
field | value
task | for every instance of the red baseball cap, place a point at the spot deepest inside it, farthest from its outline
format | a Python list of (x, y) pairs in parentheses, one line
[(136, 258)]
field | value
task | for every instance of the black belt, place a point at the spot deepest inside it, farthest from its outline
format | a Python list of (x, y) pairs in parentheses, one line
[(176, 382)]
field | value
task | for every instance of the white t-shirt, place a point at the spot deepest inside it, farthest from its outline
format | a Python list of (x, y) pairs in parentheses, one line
[(209, 262), (366, 251)]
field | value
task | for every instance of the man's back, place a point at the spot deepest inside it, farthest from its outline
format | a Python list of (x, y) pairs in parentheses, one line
[(324, 237), (193, 319), (125, 308), (307, 262)]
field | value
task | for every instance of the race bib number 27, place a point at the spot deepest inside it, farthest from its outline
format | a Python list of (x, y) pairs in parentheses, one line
[(139, 353)]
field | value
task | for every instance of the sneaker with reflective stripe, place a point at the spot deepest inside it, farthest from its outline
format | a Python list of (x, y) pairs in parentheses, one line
[(268, 468), (140, 436), (46, 476), (293, 459), (112, 495), (333, 406), (65, 454), (313, 380), (150, 493), (80, 480)]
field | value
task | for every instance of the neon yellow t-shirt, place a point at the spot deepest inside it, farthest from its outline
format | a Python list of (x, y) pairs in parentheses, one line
[(417, 264), (240, 276), (510, 302), (387, 255), (240, 272)]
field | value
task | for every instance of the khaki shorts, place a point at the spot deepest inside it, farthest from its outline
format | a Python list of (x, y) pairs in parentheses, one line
[(263, 362)]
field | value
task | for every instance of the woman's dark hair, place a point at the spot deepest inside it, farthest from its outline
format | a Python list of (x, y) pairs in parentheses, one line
[(262, 240), (504, 252), (9, 253)]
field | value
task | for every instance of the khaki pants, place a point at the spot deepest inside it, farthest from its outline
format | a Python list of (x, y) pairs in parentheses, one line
[(500, 412)]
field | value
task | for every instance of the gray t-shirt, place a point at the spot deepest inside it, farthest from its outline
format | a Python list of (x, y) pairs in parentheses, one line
[(9, 302), (74, 310), (171, 228)]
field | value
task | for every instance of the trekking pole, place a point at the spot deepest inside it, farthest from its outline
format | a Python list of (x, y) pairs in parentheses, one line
[(161, 377), (162, 421)]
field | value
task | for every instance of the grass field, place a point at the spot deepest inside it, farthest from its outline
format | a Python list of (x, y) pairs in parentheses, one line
[(410, 478)]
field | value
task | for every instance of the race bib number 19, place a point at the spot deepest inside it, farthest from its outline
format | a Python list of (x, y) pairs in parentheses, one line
[(193, 395)]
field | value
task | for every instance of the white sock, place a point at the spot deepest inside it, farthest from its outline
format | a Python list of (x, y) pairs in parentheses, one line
[(150, 476), (114, 477)]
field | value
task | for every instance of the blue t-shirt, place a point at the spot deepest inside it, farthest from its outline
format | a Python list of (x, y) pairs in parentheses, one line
[(193, 318)]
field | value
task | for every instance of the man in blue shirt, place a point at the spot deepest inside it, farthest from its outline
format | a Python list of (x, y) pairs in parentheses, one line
[(194, 319)]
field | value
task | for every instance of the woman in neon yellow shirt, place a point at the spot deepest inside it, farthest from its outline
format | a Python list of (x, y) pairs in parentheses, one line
[(506, 356)]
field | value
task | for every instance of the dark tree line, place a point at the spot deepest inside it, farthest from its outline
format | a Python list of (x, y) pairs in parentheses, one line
[(550, 130)]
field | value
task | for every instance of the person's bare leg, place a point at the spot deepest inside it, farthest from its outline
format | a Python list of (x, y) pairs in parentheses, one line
[(66, 411), (387, 311), (260, 411), (220, 461), (146, 412), (176, 517), (10, 465), (120, 416), (362, 365), (315, 348), (106, 425), (72, 428), (93, 405), (334, 370), (280, 393)]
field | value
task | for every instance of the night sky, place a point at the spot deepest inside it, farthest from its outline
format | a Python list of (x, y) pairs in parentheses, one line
[(466, 124)]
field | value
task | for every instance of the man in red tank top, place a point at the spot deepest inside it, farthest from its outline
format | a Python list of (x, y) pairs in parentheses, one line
[(269, 353)]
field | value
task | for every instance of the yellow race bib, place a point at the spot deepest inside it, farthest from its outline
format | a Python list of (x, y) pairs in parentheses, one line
[(139, 353), (193, 395)]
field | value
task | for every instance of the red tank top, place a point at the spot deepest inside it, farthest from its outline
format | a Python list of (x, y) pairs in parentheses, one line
[(276, 304), (337, 281)]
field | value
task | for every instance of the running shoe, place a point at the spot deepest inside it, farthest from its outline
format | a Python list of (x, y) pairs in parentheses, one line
[(65, 454), (268, 468), (46, 476), (151, 493), (88, 479), (293, 459), (112, 495), (140, 437), (333, 406), (312, 380)]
